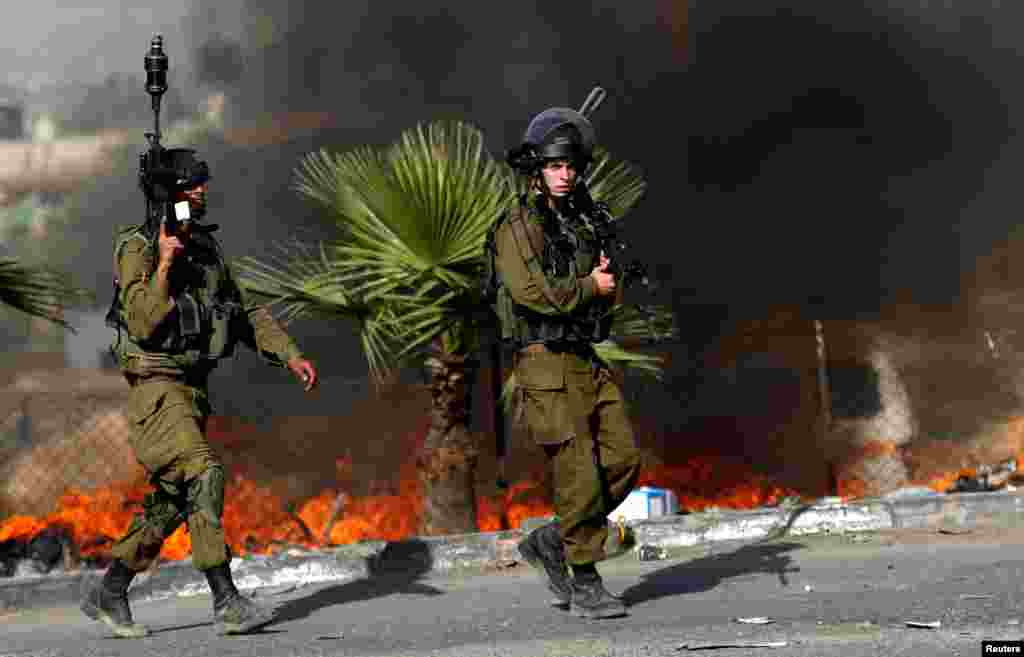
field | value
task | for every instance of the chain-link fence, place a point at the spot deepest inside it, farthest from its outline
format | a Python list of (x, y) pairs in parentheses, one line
[(61, 430)]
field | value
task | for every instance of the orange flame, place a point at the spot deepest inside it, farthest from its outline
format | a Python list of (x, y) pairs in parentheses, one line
[(713, 481), (256, 520)]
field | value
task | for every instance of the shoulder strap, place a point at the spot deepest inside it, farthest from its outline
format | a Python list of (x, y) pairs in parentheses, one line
[(533, 259), (124, 236)]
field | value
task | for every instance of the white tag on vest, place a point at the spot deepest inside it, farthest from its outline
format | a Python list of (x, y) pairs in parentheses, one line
[(181, 211)]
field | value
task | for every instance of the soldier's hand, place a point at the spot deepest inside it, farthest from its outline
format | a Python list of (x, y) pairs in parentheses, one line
[(605, 282), (305, 371), (170, 246)]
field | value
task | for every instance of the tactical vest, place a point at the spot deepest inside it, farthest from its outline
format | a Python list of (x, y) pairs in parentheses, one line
[(199, 331), (571, 250)]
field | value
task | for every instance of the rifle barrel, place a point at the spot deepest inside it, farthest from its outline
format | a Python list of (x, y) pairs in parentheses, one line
[(593, 101)]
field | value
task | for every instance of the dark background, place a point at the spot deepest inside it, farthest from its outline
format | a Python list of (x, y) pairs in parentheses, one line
[(843, 159)]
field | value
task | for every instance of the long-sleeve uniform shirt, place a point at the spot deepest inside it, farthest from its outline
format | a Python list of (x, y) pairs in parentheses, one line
[(150, 310), (545, 270), (522, 245)]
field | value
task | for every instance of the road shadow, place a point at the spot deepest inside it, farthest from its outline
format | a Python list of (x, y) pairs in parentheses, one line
[(396, 569), (707, 572), (175, 628)]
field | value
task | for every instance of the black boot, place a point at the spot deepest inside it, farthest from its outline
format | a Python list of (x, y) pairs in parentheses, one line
[(233, 613), (107, 601), (590, 599), (543, 549)]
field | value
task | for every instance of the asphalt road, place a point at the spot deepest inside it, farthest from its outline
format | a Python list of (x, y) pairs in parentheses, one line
[(827, 596)]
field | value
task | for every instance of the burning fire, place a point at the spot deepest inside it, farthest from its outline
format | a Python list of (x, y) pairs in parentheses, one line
[(257, 521), (707, 480)]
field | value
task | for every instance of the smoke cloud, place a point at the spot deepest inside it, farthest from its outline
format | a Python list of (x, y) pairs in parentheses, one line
[(843, 158)]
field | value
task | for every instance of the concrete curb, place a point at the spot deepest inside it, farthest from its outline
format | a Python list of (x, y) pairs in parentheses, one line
[(420, 557)]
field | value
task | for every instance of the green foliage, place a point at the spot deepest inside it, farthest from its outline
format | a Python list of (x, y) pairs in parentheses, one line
[(411, 222), (38, 291)]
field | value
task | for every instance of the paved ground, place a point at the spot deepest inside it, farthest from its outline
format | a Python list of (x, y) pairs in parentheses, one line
[(862, 590)]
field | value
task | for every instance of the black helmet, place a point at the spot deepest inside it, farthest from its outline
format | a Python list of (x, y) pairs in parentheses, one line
[(555, 133), (177, 170), (189, 171)]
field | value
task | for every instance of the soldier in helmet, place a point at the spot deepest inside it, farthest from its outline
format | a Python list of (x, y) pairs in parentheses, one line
[(552, 300), (177, 311)]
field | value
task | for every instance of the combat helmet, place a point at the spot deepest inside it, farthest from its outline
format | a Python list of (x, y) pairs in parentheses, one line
[(178, 169), (555, 133)]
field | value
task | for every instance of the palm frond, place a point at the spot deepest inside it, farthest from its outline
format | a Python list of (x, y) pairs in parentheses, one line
[(411, 219), (299, 277), (38, 291), (421, 207), (618, 356), (614, 182), (646, 323)]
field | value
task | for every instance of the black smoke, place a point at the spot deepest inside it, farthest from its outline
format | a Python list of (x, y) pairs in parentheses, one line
[(843, 158)]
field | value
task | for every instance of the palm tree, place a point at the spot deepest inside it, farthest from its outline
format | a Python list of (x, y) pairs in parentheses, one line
[(412, 219), (40, 292)]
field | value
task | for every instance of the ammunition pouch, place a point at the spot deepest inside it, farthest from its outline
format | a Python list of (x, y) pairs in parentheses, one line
[(223, 316), (573, 333), (190, 322)]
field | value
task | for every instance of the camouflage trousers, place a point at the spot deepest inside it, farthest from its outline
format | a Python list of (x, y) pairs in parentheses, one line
[(168, 419), (574, 409)]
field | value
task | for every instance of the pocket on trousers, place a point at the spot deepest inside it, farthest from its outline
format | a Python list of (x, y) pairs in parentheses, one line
[(547, 416), (541, 374), (144, 403), (149, 399)]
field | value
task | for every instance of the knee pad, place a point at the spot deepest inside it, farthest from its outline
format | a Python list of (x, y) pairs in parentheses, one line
[(206, 494), (161, 513)]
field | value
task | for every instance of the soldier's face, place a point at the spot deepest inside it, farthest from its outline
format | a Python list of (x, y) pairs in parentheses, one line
[(559, 177), (196, 198)]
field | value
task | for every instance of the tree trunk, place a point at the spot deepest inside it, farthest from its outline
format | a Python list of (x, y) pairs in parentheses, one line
[(447, 461)]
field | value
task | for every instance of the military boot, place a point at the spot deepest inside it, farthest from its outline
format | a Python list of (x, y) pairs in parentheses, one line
[(233, 613), (543, 549), (107, 602), (591, 600)]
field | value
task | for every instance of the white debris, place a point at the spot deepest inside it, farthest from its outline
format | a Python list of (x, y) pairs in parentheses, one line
[(734, 644), (910, 492), (755, 620)]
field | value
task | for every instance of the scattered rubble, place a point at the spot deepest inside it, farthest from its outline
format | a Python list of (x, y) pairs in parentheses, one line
[(986, 478), (651, 553), (11, 552), (954, 531)]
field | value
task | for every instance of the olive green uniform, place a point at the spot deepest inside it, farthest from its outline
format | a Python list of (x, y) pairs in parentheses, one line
[(168, 405), (567, 398)]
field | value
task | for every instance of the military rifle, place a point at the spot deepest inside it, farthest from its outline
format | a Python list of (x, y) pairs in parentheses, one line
[(157, 179), (612, 243)]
